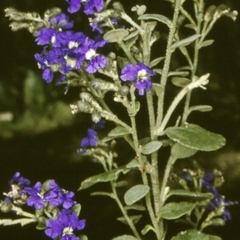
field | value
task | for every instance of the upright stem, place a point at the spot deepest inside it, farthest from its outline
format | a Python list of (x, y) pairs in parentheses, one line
[(127, 218), (167, 63)]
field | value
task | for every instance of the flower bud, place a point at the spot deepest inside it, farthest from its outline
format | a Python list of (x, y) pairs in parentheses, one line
[(112, 55), (6, 207), (118, 7), (96, 117), (51, 13), (123, 91), (84, 107)]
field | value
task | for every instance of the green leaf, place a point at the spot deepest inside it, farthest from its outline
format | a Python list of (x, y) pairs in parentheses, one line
[(147, 228), (206, 43), (178, 73), (102, 194), (136, 193), (103, 177), (175, 210), (76, 208), (195, 137), (131, 35), (135, 207), (191, 234), (134, 218), (124, 237), (201, 108), (118, 132), (184, 42), (151, 147), (212, 237), (179, 151), (155, 61), (186, 193), (83, 237), (157, 17), (116, 35), (180, 81)]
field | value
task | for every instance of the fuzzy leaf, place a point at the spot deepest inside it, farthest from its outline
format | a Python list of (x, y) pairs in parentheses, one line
[(151, 147), (201, 108), (184, 42), (180, 81), (103, 177), (102, 194), (157, 17), (135, 207), (136, 193), (76, 208), (135, 219), (118, 132), (116, 35), (206, 43), (175, 210), (186, 193), (179, 151), (195, 137), (147, 228), (191, 234), (155, 61), (124, 237)]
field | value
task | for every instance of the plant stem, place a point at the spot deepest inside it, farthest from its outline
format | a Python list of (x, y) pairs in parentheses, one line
[(167, 63), (124, 212)]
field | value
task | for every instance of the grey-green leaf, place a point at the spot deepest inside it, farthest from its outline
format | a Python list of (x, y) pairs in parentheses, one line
[(206, 43), (124, 237), (180, 81), (147, 228), (151, 147), (189, 194), (201, 108), (191, 234), (118, 132), (136, 193), (135, 207), (157, 17), (76, 208), (179, 151), (175, 210), (155, 61), (184, 42), (103, 177), (134, 218), (212, 237), (195, 137), (116, 35)]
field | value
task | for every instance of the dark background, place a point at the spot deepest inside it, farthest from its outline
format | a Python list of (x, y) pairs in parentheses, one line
[(42, 139)]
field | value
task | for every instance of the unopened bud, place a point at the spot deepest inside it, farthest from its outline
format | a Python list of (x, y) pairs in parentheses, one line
[(6, 207), (84, 107), (96, 117), (51, 13), (118, 6), (123, 91)]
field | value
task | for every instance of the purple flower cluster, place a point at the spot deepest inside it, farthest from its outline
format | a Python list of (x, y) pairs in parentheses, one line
[(66, 50), (41, 196), (218, 199), (89, 6), (139, 74), (64, 225), (218, 202), (91, 139)]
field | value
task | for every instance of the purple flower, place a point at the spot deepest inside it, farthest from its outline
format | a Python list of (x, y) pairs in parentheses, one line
[(89, 6), (61, 21), (64, 225), (90, 140), (66, 199), (218, 200), (139, 74), (16, 193)]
